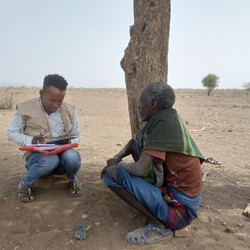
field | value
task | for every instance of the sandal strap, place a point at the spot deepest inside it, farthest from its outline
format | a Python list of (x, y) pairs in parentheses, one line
[(74, 185), (25, 193), (22, 188), (75, 188)]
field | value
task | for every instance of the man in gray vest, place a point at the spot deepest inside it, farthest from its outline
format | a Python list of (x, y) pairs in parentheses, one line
[(38, 121)]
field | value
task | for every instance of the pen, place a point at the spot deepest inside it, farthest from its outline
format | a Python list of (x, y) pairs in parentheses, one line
[(40, 134)]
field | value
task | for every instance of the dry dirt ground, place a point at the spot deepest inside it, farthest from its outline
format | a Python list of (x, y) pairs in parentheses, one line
[(220, 124)]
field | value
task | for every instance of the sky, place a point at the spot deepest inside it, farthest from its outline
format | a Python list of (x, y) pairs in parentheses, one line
[(85, 41)]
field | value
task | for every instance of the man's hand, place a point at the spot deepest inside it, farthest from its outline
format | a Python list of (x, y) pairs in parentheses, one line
[(113, 161), (103, 171), (38, 139), (110, 162)]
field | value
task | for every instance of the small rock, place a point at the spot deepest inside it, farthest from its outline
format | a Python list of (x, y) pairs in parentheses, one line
[(84, 216), (184, 232), (240, 225), (231, 230), (241, 236), (80, 233), (204, 176), (70, 243), (97, 224), (247, 210)]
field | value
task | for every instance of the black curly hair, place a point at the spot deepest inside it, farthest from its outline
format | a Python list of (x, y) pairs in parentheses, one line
[(55, 80)]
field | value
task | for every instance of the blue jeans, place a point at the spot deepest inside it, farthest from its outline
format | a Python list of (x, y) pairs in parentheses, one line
[(151, 197), (39, 165), (144, 192)]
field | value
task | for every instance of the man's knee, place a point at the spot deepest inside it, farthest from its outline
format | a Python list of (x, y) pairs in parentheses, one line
[(112, 173), (71, 159), (43, 160)]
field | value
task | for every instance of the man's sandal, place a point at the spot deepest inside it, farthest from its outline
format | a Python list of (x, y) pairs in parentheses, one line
[(25, 193), (149, 234), (211, 160), (75, 188)]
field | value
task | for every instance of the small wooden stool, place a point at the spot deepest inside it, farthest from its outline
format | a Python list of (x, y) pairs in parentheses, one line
[(48, 181)]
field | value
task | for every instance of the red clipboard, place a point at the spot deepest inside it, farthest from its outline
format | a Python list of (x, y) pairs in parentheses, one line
[(48, 149)]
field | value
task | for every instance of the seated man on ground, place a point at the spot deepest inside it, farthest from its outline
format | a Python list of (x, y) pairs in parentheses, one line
[(164, 183), (40, 120)]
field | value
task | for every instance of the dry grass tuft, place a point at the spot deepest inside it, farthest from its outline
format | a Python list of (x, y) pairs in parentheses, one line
[(6, 102)]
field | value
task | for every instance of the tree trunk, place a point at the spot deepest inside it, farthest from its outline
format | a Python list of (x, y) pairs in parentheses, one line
[(146, 58), (209, 89)]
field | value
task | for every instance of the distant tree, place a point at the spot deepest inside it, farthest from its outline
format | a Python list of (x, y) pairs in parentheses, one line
[(210, 81), (246, 86)]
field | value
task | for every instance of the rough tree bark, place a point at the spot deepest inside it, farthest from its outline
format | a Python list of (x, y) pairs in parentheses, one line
[(146, 58)]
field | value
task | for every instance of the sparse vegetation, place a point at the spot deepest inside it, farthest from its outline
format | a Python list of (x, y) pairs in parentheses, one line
[(210, 81), (246, 86), (6, 102)]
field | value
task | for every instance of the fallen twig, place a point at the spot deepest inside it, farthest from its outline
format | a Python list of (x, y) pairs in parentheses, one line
[(198, 130)]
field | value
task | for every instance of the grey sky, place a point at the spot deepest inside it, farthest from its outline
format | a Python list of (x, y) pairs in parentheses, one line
[(85, 41)]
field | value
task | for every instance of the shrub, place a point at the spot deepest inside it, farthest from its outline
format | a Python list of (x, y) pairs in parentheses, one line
[(6, 102), (246, 86)]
